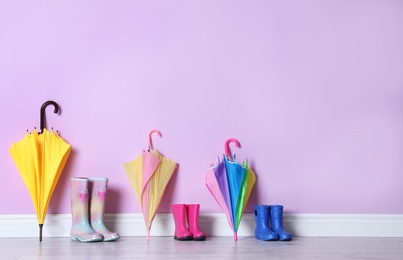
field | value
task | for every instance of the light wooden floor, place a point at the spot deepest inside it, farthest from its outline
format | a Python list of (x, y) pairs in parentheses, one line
[(213, 248)]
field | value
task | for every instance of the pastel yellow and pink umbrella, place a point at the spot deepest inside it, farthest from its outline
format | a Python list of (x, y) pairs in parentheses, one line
[(149, 175)]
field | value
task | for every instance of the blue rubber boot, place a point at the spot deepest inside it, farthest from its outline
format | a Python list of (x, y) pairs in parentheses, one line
[(262, 228), (276, 221)]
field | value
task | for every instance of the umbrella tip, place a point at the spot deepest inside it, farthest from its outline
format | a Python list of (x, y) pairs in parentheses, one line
[(40, 232)]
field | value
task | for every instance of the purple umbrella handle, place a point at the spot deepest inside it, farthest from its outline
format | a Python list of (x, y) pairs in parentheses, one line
[(226, 146)]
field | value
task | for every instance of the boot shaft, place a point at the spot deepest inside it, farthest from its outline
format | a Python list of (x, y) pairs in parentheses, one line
[(79, 189), (262, 211), (79, 199), (97, 191), (192, 212), (276, 216), (262, 215), (179, 213)]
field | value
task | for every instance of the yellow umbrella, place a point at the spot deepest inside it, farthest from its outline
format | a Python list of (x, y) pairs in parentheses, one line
[(40, 159), (149, 175)]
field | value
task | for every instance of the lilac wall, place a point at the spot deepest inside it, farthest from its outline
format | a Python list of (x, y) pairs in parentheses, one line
[(313, 90)]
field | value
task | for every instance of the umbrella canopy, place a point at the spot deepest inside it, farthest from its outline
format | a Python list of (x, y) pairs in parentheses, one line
[(231, 184), (149, 175), (40, 159)]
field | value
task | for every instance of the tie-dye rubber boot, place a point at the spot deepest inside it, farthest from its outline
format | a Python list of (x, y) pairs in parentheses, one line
[(276, 221), (81, 229), (97, 208), (262, 225)]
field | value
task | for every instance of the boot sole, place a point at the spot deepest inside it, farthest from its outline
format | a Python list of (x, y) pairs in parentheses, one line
[(267, 238), (95, 239), (199, 238), (111, 239), (285, 239), (183, 238)]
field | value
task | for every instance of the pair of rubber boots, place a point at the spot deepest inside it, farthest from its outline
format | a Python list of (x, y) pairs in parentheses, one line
[(191, 232), (87, 207), (269, 223)]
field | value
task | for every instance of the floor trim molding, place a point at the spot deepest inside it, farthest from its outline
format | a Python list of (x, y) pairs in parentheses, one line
[(215, 224)]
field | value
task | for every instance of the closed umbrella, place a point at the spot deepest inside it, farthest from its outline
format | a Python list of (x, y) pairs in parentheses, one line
[(149, 175), (40, 159), (231, 184)]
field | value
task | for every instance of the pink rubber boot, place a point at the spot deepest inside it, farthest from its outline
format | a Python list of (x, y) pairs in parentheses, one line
[(181, 232), (192, 212), (97, 208), (80, 228)]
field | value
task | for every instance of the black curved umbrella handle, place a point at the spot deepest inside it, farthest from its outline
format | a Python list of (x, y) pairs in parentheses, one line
[(43, 108)]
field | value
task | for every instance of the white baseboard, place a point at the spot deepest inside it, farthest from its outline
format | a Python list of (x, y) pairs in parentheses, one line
[(346, 225)]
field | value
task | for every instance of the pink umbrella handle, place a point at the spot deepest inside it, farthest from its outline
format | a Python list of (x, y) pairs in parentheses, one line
[(149, 137), (226, 146)]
